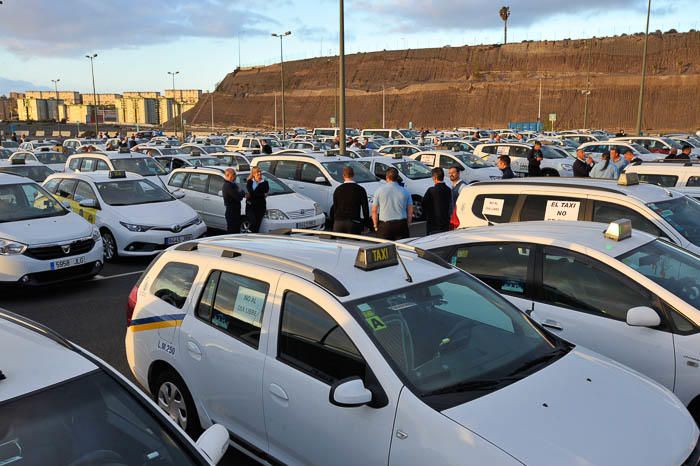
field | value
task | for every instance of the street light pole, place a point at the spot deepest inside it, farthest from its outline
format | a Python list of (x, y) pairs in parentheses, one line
[(383, 108), (587, 92), (638, 128), (94, 92), (173, 73), (211, 96), (539, 104), (284, 121), (341, 77), (58, 117)]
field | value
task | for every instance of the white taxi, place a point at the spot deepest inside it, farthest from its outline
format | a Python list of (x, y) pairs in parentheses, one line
[(40, 240), (554, 162), (134, 216), (285, 208), (55, 160), (123, 159), (472, 168), (622, 293), (59, 404), (352, 351)]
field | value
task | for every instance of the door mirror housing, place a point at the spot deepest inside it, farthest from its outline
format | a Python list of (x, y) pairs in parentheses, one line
[(89, 203), (643, 316), (214, 442), (350, 393), (320, 180), (178, 194)]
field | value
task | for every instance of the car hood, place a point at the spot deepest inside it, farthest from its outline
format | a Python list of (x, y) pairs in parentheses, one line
[(420, 186), (371, 187), (583, 409), (51, 230), (289, 202), (165, 214)]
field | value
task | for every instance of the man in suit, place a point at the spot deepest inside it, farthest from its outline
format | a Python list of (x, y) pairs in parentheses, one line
[(256, 198), (232, 201), (534, 159), (436, 204), (583, 164), (349, 201), (503, 164)]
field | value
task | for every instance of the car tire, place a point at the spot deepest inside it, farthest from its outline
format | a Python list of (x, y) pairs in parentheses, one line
[(171, 395), (548, 172), (417, 208), (110, 245)]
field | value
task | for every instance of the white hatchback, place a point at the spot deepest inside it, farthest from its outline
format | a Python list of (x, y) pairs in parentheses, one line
[(473, 168)]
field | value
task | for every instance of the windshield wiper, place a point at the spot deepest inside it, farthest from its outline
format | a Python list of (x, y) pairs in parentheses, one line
[(556, 354), (470, 385)]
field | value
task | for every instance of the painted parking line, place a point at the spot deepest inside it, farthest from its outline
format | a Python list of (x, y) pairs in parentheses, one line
[(119, 275)]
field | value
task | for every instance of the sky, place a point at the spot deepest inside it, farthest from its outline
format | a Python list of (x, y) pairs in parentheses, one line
[(139, 41)]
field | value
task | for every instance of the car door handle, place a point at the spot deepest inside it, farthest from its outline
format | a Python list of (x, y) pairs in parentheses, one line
[(194, 350), (553, 324), (278, 391)]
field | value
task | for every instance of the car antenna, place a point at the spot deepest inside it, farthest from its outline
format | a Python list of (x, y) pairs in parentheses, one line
[(409, 279)]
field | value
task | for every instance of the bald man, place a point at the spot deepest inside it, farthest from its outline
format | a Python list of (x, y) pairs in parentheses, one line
[(232, 200)]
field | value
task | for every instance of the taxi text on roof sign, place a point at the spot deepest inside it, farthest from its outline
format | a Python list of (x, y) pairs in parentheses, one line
[(376, 257)]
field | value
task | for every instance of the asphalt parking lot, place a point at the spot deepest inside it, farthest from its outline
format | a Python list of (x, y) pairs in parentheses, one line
[(93, 313)]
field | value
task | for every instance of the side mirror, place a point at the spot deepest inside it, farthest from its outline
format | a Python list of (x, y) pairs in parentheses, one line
[(90, 203), (178, 194), (214, 442), (643, 316), (349, 393), (320, 180)]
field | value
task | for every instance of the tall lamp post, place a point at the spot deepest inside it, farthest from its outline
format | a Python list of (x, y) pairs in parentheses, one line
[(58, 117), (638, 128), (94, 92), (284, 122), (341, 78), (504, 13), (173, 73)]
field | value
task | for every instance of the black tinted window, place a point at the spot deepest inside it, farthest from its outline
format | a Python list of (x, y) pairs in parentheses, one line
[(313, 342), (174, 282), (234, 304), (606, 212), (286, 169), (571, 281), (501, 266), (667, 181), (66, 188), (177, 179), (535, 207), (693, 181), (499, 207)]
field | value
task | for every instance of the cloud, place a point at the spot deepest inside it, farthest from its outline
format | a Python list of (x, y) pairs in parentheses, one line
[(408, 16), (13, 85), (70, 27)]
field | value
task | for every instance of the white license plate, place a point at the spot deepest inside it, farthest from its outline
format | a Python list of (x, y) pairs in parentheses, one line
[(307, 224), (177, 239), (64, 263)]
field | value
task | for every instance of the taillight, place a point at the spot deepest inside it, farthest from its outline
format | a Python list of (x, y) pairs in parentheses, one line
[(131, 304)]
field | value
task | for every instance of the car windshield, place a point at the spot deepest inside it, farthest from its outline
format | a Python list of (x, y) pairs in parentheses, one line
[(36, 173), (471, 161), (413, 170), (170, 151), (670, 266), (144, 166), (51, 157), (87, 420), (641, 149), (454, 339), (335, 169), (27, 201), (551, 153), (213, 149), (131, 192), (277, 186), (673, 143), (5, 153), (10, 144), (206, 161), (683, 214)]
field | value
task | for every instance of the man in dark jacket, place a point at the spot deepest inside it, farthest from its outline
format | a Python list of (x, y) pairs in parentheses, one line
[(503, 164), (436, 204), (349, 201), (266, 148), (232, 201), (583, 164), (534, 159), (631, 159), (256, 199)]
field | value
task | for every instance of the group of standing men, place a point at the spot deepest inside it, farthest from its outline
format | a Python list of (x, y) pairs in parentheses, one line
[(255, 194)]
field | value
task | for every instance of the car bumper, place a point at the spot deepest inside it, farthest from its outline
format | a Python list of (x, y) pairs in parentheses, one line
[(316, 222), (151, 242), (26, 271)]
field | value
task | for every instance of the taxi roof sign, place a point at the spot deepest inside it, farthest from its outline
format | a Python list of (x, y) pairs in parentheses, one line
[(628, 179), (117, 174), (18, 161), (376, 257), (619, 230)]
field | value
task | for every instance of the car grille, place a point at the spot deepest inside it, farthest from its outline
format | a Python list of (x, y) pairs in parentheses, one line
[(178, 228), (57, 251), (303, 213)]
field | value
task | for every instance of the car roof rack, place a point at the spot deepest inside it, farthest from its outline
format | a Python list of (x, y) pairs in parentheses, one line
[(321, 277), (557, 184)]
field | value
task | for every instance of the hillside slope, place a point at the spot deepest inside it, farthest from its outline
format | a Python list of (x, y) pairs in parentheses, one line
[(485, 86)]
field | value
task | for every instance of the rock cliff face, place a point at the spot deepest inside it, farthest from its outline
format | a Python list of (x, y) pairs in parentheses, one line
[(486, 86)]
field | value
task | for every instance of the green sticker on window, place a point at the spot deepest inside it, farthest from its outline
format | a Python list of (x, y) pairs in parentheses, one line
[(375, 322), (463, 253)]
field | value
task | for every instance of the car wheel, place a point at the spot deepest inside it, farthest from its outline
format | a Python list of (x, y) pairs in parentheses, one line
[(173, 397), (550, 173), (110, 246), (417, 208)]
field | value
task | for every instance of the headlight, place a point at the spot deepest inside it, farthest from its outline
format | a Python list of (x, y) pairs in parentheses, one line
[(197, 220), (11, 248), (567, 167), (275, 214), (317, 208), (135, 228), (96, 236)]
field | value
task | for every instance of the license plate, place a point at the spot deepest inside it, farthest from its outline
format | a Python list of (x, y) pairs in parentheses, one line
[(307, 224), (64, 263), (177, 239)]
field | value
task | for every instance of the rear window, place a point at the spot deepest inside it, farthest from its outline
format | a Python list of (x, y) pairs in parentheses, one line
[(496, 208), (667, 181), (174, 282)]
